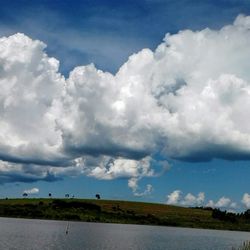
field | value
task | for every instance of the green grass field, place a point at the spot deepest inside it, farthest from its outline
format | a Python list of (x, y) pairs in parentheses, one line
[(112, 211)]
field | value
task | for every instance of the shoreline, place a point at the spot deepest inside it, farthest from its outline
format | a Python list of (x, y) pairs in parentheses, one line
[(117, 212)]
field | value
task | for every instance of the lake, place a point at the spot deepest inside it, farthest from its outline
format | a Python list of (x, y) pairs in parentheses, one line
[(47, 234)]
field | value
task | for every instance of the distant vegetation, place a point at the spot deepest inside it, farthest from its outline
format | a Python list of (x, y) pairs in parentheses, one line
[(123, 212)]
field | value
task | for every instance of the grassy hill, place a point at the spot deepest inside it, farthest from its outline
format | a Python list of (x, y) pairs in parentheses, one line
[(112, 211)]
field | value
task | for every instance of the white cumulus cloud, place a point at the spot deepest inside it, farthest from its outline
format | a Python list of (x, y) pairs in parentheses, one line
[(187, 100), (223, 202), (246, 200), (31, 191), (192, 200), (176, 198)]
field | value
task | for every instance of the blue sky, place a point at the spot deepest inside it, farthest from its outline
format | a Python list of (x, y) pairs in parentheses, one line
[(106, 33), (121, 27)]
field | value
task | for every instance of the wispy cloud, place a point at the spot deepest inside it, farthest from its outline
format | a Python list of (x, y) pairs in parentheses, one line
[(133, 184)]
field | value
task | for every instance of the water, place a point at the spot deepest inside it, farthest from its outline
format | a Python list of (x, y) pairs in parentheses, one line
[(23, 234)]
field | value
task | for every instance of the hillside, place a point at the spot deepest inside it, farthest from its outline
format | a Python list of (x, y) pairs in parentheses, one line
[(112, 211)]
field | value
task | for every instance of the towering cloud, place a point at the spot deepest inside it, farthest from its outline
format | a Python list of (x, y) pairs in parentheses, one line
[(187, 100)]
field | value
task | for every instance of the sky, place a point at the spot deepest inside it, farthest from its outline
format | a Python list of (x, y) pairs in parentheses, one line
[(135, 100)]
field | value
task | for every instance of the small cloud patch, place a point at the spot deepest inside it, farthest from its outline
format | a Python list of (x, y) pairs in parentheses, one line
[(31, 191)]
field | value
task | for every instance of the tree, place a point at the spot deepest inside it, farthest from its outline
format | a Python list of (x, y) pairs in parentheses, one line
[(224, 215), (66, 195), (25, 194), (98, 197), (50, 195), (247, 214)]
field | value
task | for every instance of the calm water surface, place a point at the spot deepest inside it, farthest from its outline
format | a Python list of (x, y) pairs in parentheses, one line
[(41, 234)]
